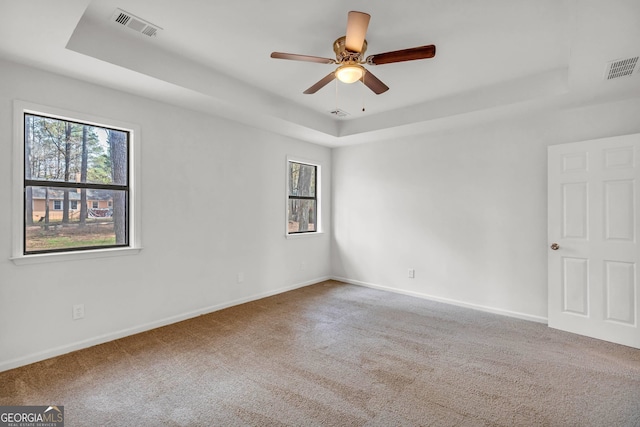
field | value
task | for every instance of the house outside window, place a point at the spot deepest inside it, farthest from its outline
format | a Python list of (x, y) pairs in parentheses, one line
[(74, 165), (302, 197)]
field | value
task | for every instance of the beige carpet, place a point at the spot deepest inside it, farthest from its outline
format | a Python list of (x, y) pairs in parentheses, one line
[(339, 355)]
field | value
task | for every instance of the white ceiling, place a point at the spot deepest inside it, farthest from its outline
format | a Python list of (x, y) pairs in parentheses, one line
[(495, 58)]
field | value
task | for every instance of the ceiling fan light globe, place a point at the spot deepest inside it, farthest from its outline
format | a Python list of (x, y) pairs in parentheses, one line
[(349, 73)]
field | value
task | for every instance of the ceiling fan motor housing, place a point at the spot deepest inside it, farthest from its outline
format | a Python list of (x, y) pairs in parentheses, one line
[(345, 55)]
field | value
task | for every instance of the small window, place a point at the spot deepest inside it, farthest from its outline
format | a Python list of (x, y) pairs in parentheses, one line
[(302, 203), (70, 164)]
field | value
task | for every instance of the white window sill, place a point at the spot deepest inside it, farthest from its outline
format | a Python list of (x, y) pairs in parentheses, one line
[(73, 256), (303, 235)]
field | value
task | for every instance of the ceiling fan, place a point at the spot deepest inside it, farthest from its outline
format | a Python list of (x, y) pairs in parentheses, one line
[(350, 51)]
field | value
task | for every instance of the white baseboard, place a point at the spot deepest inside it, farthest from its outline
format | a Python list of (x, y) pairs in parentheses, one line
[(524, 316), (79, 345)]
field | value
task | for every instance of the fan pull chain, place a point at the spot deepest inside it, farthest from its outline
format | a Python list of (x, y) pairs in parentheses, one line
[(336, 80), (363, 90)]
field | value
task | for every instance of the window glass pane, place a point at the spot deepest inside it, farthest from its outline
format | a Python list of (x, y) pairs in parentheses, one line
[(59, 150), (301, 216), (302, 180), (49, 229)]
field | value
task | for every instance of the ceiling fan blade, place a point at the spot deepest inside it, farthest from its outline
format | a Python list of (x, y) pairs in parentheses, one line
[(422, 52), (373, 83), (307, 58), (322, 83), (357, 24)]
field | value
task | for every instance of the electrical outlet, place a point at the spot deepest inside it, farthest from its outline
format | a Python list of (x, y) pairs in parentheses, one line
[(78, 311), (240, 277), (412, 273)]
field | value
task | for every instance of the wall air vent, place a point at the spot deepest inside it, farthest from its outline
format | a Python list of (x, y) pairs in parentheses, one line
[(621, 68), (339, 113), (131, 21)]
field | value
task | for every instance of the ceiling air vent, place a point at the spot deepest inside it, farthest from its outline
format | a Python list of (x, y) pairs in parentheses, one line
[(131, 21), (620, 68), (339, 113)]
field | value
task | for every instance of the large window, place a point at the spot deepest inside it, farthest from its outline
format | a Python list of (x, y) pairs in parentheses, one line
[(76, 185), (302, 203)]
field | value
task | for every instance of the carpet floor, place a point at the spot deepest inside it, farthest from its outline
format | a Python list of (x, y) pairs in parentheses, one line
[(333, 354)]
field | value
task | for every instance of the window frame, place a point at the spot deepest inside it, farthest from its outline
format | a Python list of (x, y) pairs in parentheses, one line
[(318, 198), (134, 245)]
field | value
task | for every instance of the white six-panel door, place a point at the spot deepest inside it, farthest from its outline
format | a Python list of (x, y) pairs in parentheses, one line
[(593, 225)]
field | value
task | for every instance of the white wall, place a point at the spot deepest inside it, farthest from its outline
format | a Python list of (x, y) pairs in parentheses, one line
[(467, 208), (212, 206)]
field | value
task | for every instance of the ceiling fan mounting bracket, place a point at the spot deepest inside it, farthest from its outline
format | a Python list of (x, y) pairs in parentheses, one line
[(345, 55)]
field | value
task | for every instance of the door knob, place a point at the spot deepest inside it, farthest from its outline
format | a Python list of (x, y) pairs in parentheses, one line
[(555, 246)]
